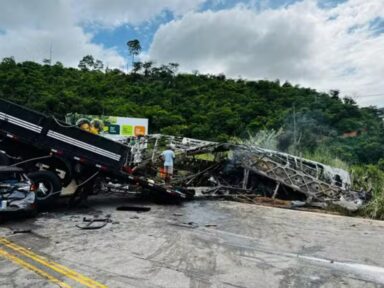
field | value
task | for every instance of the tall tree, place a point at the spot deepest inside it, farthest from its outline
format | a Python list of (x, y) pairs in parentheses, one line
[(90, 63), (86, 63), (147, 68), (134, 48), (137, 66)]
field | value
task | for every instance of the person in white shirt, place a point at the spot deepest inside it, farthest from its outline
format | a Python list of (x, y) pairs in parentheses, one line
[(168, 157)]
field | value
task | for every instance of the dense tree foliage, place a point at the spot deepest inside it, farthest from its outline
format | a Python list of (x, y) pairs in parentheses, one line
[(201, 106)]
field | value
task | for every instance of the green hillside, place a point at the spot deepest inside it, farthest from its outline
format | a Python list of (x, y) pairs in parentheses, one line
[(201, 106)]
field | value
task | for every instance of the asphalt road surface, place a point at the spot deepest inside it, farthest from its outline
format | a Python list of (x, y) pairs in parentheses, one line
[(199, 244)]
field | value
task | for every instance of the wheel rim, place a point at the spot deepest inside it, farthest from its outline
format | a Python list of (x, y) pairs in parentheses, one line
[(44, 189)]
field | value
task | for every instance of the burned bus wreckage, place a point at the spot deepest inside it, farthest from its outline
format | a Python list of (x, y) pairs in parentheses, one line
[(214, 170), (66, 161)]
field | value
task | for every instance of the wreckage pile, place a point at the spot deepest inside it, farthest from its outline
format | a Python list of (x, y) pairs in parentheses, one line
[(73, 162), (210, 169)]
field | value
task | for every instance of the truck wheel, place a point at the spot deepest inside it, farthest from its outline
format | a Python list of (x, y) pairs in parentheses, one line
[(48, 187), (4, 160)]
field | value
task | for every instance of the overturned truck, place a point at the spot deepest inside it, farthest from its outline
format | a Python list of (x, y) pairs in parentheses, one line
[(65, 160)]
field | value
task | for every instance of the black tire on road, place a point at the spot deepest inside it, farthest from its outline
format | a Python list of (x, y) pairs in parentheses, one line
[(4, 160), (48, 185)]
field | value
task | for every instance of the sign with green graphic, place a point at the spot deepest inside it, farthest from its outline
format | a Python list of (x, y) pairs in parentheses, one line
[(109, 126)]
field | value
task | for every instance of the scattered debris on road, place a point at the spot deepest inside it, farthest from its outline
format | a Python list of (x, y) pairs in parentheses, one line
[(133, 208), (21, 231), (95, 223), (185, 224)]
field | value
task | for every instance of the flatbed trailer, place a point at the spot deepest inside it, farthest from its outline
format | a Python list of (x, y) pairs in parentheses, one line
[(53, 152)]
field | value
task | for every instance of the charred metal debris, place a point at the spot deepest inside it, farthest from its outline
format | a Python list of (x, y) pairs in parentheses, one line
[(245, 173), (62, 160)]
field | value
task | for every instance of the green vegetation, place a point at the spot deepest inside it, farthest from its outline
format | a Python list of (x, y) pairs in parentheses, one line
[(370, 177), (211, 107)]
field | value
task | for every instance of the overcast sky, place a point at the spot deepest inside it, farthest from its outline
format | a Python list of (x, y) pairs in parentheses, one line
[(322, 44)]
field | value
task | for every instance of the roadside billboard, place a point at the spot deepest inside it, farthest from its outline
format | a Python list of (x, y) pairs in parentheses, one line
[(109, 126)]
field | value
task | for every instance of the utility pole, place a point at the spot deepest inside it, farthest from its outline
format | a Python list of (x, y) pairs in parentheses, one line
[(50, 53), (294, 130)]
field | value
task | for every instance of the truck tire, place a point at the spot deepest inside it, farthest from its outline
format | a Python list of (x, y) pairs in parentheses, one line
[(48, 185), (4, 160)]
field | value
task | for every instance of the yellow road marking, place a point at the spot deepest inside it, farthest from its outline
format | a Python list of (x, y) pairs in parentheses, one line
[(88, 282), (29, 266)]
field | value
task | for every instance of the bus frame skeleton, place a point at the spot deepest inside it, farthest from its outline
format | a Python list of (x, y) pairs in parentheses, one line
[(250, 170)]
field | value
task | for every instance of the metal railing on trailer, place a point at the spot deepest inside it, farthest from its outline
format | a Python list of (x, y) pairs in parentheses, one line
[(28, 135)]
